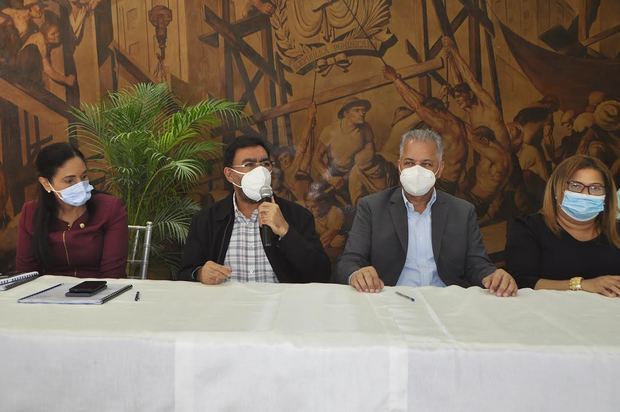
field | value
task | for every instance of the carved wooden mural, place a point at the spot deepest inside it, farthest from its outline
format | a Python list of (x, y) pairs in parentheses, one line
[(513, 86)]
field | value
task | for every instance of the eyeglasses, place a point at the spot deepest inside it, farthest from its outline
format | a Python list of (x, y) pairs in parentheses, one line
[(595, 189), (253, 165)]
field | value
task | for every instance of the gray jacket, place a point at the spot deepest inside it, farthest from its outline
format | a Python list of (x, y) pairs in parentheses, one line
[(379, 238)]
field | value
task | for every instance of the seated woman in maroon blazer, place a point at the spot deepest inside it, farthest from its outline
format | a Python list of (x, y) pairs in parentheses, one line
[(574, 242), (71, 230)]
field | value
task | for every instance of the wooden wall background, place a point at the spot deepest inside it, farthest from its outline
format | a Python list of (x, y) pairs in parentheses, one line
[(523, 58)]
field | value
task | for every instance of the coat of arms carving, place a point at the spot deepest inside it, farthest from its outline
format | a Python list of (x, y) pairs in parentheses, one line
[(325, 33)]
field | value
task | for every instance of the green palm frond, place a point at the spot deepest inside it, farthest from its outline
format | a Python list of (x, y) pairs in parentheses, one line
[(143, 106), (172, 221), (152, 152), (184, 170), (194, 150), (189, 121)]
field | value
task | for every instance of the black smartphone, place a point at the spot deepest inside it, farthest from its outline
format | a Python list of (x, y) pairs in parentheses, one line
[(87, 288)]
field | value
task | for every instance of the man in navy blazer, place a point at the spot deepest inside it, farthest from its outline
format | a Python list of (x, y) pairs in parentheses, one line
[(416, 235)]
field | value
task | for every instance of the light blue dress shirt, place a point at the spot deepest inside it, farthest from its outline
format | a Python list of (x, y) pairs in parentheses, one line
[(420, 268)]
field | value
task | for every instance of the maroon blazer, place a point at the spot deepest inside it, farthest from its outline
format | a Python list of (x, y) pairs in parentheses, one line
[(94, 245)]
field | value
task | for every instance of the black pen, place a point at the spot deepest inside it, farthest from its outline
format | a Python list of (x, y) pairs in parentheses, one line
[(137, 298), (405, 296)]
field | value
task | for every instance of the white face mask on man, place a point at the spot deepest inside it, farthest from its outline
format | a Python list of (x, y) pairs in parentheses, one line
[(253, 181), (417, 180)]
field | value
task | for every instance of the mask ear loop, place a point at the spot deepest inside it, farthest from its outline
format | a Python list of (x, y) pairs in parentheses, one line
[(54, 190), (236, 171), (241, 173)]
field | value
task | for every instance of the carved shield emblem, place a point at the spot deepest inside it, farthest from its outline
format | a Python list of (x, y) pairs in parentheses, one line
[(326, 33)]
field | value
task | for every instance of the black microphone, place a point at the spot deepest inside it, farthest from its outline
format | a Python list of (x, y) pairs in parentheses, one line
[(266, 234)]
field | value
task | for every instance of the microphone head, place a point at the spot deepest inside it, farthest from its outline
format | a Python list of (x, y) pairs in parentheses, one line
[(265, 192)]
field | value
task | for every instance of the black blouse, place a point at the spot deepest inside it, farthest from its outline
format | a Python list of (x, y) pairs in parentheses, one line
[(533, 252)]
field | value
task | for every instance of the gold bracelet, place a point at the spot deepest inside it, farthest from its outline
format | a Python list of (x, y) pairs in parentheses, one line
[(575, 283)]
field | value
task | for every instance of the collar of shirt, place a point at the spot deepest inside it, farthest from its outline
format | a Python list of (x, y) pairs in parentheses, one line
[(241, 216), (427, 210)]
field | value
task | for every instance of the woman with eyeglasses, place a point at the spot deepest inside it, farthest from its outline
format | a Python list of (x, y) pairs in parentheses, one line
[(573, 243), (71, 229)]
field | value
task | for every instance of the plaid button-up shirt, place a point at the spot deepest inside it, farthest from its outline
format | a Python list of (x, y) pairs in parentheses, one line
[(246, 255)]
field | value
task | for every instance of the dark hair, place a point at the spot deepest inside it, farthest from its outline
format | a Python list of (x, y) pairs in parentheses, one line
[(434, 103), (551, 102), (485, 132), (49, 159), (532, 115), (460, 88), (239, 143)]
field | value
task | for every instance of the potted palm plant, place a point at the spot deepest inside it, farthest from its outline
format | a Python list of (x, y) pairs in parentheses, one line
[(151, 152)]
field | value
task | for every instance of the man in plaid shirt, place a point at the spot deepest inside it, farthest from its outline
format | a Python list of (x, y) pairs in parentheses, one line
[(224, 241)]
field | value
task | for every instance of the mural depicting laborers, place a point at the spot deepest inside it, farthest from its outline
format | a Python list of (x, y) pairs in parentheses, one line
[(341, 141), (31, 31), (295, 163), (33, 59), (433, 112), (513, 87)]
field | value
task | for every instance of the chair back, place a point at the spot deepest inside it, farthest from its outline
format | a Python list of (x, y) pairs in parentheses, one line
[(140, 243)]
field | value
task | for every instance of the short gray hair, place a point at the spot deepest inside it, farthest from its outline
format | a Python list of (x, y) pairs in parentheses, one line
[(422, 135)]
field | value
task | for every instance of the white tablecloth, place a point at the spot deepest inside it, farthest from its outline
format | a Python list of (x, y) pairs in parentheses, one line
[(256, 347)]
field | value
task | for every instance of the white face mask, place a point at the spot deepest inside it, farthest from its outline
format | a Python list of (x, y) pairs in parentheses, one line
[(416, 180), (75, 195), (253, 181)]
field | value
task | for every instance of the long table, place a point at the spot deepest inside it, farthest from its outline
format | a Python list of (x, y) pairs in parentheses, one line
[(268, 347)]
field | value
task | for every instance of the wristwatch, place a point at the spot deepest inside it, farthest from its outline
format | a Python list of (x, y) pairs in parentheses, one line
[(575, 283)]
